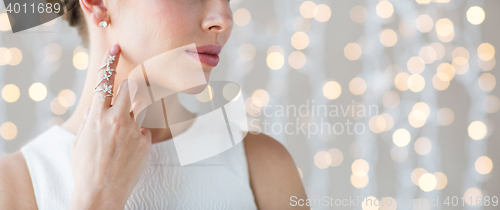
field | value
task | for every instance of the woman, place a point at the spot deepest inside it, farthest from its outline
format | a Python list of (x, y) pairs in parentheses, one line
[(95, 160)]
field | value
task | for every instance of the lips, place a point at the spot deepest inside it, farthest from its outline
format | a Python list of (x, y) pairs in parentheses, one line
[(207, 54)]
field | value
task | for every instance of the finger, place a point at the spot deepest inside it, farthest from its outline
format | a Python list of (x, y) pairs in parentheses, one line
[(85, 115), (137, 112), (105, 80), (146, 132), (122, 101)]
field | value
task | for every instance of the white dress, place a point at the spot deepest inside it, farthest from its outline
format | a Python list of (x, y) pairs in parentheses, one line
[(219, 182)]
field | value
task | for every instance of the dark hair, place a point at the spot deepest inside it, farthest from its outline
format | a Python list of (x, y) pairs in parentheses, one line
[(76, 19)]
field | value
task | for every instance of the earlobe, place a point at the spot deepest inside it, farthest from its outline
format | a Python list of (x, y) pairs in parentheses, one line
[(95, 11)]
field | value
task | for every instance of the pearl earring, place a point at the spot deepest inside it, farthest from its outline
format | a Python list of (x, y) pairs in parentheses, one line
[(103, 24)]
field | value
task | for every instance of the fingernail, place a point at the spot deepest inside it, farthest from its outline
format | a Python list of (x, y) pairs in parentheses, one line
[(115, 49)]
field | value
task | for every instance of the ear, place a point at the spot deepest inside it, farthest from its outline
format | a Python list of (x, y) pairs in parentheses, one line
[(95, 10)]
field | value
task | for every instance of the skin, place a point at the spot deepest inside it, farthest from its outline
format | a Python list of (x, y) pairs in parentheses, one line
[(110, 147)]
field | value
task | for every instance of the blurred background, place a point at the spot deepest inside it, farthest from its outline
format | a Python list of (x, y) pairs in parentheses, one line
[(391, 99)]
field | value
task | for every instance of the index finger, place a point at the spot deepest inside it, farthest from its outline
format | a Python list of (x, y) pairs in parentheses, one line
[(103, 91)]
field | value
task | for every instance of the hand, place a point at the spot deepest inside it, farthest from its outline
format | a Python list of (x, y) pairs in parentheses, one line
[(110, 150)]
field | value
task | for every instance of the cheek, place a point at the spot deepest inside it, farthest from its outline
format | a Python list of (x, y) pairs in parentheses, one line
[(163, 27)]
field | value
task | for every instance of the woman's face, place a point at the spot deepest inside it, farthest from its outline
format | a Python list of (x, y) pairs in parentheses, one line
[(146, 28)]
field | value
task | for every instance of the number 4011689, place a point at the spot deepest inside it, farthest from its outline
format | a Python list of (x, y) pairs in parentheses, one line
[(40, 8), (471, 201)]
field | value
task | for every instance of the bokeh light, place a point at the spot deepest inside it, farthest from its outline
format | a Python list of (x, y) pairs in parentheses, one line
[(252, 107), (57, 107), (491, 104), (360, 167), (487, 82), (358, 14), (486, 51), (297, 59), (417, 118), (322, 13), (440, 81), (37, 91), (477, 130), (384, 9), (242, 17), (427, 182), (401, 137), (261, 97), (388, 37), (424, 23), (8, 130), (357, 86), (4, 22), (359, 182), (16, 56), (352, 51), (10, 93), (445, 116), (81, 60), (460, 52), (370, 203), (445, 30), (401, 81), (423, 146), (332, 90), (416, 65), (487, 65), (67, 97), (416, 83), (5, 56), (440, 50), (322, 159), (446, 69), (423, 1), (483, 165), (475, 15), (307, 9), (441, 179), (337, 157), (275, 60), (416, 174), (300, 40), (428, 54), (460, 65), (389, 203), (472, 192)]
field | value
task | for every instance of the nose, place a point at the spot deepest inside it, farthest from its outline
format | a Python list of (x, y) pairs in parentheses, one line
[(219, 18)]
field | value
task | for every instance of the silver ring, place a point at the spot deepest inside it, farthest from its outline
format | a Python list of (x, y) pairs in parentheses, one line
[(108, 72), (106, 89)]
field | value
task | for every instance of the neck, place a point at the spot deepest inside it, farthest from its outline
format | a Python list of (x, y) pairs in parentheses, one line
[(98, 48)]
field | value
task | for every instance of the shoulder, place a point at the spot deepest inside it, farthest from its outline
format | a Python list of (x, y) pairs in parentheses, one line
[(274, 176), (16, 190)]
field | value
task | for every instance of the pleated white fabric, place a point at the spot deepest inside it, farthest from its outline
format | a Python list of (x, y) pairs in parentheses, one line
[(219, 182)]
